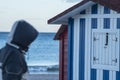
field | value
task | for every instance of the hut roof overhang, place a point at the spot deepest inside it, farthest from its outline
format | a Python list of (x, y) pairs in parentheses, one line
[(60, 31), (62, 18)]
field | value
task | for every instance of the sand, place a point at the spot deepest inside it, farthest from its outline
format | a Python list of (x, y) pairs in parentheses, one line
[(42, 77)]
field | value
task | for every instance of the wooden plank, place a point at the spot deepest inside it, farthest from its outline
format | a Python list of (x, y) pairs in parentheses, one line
[(61, 60), (76, 51), (87, 49), (99, 74)]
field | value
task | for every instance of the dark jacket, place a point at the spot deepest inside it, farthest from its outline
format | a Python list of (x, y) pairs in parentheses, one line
[(14, 64), (12, 55)]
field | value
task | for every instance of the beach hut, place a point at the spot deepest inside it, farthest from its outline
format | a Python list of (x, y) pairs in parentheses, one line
[(62, 36), (93, 39)]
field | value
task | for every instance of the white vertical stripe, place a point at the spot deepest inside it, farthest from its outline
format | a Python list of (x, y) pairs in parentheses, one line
[(101, 23), (114, 27), (110, 54), (88, 10), (114, 75), (100, 26), (87, 49), (114, 23), (76, 50), (102, 9), (111, 23), (100, 55), (99, 74), (111, 75), (98, 23), (99, 9), (111, 43)]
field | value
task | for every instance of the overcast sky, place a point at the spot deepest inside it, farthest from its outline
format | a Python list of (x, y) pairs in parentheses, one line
[(36, 12)]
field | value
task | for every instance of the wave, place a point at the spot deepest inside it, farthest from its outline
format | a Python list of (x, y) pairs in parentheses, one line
[(43, 69)]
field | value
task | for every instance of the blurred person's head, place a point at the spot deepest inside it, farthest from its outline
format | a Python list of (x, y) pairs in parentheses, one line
[(22, 35)]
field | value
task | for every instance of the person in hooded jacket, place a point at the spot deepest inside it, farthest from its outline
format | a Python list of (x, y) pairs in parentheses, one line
[(12, 55)]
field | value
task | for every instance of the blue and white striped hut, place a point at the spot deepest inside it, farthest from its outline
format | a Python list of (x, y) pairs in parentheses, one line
[(93, 39)]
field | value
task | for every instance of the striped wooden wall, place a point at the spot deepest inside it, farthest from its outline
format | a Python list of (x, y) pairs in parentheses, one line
[(63, 56), (94, 20)]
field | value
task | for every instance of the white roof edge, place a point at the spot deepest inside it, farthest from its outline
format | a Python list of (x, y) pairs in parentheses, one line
[(72, 13)]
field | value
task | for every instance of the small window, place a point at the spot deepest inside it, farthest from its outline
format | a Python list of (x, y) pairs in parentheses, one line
[(83, 12), (94, 9), (118, 23), (106, 23), (106, 10), (105, 49), (94, 23)]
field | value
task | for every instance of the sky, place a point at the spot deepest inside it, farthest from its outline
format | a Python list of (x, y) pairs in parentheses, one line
[(36, 12)]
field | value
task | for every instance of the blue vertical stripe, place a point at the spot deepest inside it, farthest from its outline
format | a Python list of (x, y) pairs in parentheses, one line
[(106, 23), (94, 9), (118, 23), (105, 75), (82, 49), (106, 10), (94, 23), (83, 12), (70, 48), (93, 74), (118, 75)]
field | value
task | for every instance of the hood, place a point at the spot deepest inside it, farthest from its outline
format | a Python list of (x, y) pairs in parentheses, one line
[(22, 34)]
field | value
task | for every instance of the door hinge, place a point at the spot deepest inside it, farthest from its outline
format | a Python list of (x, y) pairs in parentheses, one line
[(94, 39), (115, 60), (95, 59), (116, 39)]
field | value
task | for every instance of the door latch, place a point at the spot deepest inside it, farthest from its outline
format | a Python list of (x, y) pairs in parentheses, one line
[(106, 39)]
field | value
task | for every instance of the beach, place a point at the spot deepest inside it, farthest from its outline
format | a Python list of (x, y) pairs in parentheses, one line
[(42, 77)]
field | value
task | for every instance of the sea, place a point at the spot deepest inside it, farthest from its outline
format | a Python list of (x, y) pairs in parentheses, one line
[(43, 54)]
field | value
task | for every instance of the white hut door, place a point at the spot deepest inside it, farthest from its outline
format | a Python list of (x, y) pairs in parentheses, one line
[(105, 49)]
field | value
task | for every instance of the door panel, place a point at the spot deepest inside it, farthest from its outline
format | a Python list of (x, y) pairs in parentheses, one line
[(105, 49)]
